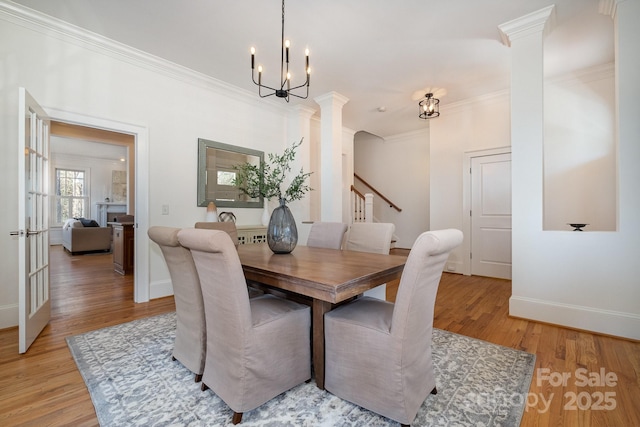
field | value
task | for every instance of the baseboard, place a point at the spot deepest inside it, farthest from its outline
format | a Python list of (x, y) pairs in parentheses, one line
[(8, 316), (160, 289), (453, 267), (615, 323)]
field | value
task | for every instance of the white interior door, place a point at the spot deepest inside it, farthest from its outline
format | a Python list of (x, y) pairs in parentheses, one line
[(491, 216), (33, 221)]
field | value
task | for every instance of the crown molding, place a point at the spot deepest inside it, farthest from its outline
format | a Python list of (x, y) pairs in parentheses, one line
[(454, 107), (591, 74), (412, 135), (608, 7), (541, 21), (69, 33)]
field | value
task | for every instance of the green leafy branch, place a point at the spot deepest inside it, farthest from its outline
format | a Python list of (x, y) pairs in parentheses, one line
[(267, 179)]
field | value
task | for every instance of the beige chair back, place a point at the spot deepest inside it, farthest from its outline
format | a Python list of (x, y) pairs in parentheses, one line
[(370, 237), (327, 235), (190, 343), (415, 300), (228, 227)]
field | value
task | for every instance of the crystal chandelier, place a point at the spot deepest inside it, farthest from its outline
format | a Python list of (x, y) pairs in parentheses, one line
[(285, 90)]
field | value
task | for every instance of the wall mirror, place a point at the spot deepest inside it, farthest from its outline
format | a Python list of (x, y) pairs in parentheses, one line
[(216, 173)]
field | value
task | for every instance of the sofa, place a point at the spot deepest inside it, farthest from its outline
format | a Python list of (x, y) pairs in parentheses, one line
[(81, 235)]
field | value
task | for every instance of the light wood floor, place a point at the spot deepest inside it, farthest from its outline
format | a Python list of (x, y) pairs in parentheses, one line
[(44, 387)]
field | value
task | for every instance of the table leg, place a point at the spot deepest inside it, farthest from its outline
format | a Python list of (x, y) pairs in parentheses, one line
[(318, 310)]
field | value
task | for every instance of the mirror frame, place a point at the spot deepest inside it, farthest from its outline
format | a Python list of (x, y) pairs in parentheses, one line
[(203, 146)]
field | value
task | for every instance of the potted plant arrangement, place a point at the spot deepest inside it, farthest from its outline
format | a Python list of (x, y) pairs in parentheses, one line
[(268, 180)]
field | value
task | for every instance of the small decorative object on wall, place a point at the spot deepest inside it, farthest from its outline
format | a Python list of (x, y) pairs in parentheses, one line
[(578, 227), (267, 180), (212, 213)]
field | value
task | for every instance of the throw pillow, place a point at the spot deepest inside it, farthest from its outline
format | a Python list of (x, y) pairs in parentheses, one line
[(89, 222)]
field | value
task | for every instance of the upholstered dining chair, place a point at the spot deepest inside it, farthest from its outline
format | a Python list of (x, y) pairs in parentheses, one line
[(327, 235), (371, 237), (256, 348), (190, 343), (230, 228), (378, 354)]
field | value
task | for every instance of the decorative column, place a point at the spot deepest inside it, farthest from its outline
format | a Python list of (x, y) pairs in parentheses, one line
[(625, 14), (300, 127), (331, 155), (525, 37)]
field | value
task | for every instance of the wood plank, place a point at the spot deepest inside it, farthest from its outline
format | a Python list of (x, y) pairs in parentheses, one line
[(44, 386)]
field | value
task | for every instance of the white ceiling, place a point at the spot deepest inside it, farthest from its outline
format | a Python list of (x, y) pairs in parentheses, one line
[(85, 148), (377, 53)]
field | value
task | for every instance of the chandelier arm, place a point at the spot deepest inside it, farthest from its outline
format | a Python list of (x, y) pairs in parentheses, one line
[(260, 85), (302, 85), (300, 96)]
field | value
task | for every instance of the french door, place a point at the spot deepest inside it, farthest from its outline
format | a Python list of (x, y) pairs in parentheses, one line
[(33, 221)]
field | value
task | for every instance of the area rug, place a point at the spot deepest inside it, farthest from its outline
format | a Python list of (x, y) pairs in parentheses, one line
[(133, 382)]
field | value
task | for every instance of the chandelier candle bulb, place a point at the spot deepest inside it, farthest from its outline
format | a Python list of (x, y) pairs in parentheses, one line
[(286, 45), (253, 57)]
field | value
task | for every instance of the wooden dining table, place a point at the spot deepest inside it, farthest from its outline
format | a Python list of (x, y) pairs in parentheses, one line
[(324, 277)]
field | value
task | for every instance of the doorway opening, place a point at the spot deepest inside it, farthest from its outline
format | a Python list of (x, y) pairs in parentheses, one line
[(138, 184)]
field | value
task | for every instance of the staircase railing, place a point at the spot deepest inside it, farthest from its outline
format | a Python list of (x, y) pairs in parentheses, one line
[(358, 204), (382, 196)]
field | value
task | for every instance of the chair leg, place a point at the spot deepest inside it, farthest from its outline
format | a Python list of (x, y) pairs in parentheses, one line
[(198, 378), (237, 417), (173, 359), (204, 387), (434, 391)]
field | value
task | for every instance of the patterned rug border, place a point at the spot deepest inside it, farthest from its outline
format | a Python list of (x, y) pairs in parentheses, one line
[(483, 392)]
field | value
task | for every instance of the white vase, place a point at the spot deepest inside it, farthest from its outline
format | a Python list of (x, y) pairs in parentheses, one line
[(265, 215), (212, 213)]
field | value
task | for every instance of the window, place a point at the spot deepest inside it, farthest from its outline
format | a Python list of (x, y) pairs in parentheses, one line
[(72, 195), (226, 177)]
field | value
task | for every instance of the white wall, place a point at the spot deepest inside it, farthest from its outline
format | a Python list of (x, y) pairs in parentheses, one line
[(584, 280), (478, 124), (587, 280), (398, 167), (175, 106), (580, 151)]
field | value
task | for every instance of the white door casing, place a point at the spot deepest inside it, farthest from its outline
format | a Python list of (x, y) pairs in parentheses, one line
[(490, 215), (142, 290), (34, 303)]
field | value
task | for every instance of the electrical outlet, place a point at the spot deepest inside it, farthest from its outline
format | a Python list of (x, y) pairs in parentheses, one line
[(165, 209)]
